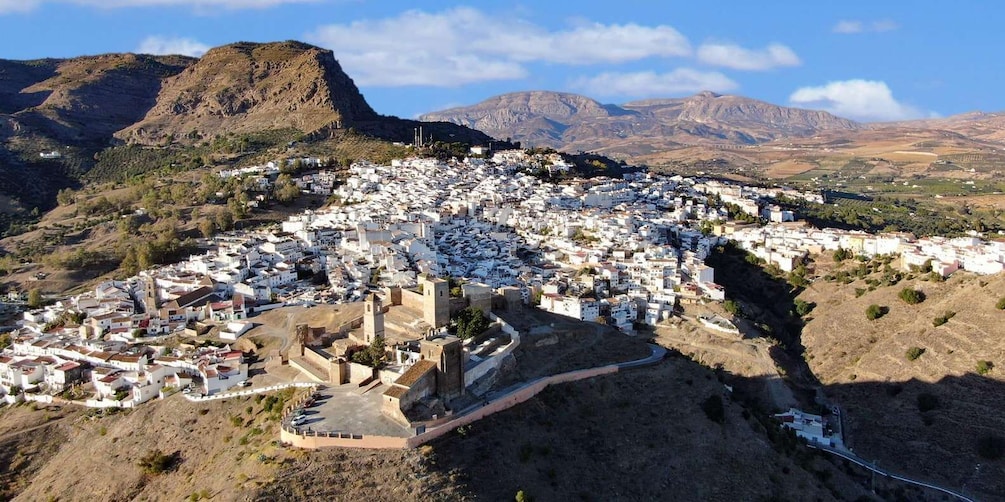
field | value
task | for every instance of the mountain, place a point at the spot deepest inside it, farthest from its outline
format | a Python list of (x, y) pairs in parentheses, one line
[(574, 122), (82, 106), (247, 87)]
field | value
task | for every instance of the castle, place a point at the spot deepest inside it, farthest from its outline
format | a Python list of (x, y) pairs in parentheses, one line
[(411, 324)]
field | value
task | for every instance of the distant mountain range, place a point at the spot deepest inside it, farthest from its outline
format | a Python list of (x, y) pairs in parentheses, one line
[(574, 122), (636, 129)]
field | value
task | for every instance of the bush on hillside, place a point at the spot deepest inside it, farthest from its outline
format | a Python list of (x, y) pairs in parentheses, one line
[(157, 462), (985, 367), (1001, 304), (873, 312), (911, 296), (714, 409), (914, 353), (944, 318)]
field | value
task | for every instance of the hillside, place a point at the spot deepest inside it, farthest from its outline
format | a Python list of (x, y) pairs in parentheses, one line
[(572, 122), (246, 87), (239, 100), (640, 435), (864, 366)]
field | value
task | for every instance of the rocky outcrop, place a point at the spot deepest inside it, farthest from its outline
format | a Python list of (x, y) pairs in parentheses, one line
[(246, 87)]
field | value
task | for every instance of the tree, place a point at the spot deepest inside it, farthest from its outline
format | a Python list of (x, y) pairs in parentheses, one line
[(34, 298), (130, 265), (470, 322), (803, 307), (1001, 303), (841, 254), (732, 307), (207, 227), (914, 353), (873, 312), (224, 220), (373, 355), (911, 296)]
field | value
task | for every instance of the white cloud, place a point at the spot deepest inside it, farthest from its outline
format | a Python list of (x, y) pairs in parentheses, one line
[(649, 84), (739, 58), (7, 6), (865, 100), (159, 45), (853, 26), (465, 45)]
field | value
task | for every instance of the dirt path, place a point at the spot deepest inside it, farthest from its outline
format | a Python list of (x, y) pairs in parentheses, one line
[(739, 356)]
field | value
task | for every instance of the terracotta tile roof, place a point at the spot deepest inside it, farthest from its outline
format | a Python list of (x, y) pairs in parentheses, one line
[(416, 372), (396, 391)]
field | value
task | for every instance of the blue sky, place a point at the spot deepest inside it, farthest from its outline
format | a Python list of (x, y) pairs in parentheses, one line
[(866, 60)]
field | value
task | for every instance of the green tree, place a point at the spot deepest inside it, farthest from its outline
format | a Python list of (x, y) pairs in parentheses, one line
[(470, 322), (224, 219), (373, 355), (841, 254), (732, 307), (207, 227), (1001, 303), (802, 308), (34, 298)]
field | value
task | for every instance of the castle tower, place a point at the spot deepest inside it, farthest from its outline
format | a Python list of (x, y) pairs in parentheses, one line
[(448, 354), (301, 333), (435, 302), (373, 319)]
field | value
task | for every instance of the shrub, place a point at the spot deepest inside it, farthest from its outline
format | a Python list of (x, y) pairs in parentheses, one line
[(985, 367), (990, 446), (803, 308), (731, 306), (914, 353), (944, 318), (841, 254), (873, 312), (714, 409), (157, 462), (1001, 303), (927, 402), (911, 296)]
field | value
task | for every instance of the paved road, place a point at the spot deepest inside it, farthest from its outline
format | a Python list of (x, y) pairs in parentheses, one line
[(856, 459)]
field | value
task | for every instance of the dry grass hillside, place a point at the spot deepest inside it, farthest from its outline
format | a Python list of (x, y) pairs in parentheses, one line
[(638, 435), (644, 434), (865, 366)]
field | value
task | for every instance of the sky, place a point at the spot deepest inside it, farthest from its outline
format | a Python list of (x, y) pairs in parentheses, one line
[(864, 60)]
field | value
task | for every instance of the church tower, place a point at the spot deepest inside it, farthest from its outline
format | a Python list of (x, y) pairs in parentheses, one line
[(373, 319)]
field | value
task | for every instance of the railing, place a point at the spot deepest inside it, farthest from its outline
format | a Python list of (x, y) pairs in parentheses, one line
[(854, 458)]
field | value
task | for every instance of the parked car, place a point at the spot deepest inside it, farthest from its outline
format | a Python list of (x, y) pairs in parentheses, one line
[(298, 420), (244, 383)]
